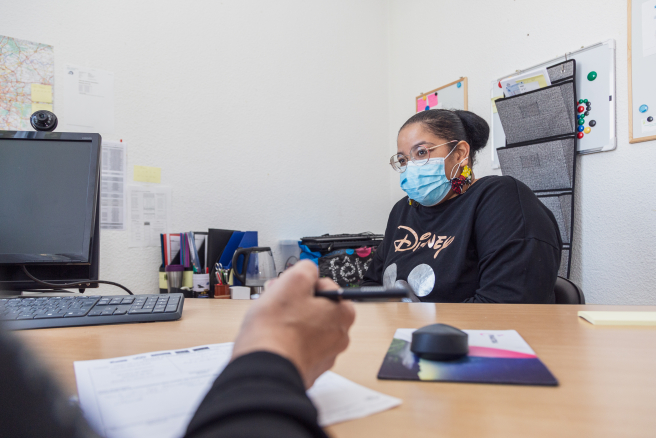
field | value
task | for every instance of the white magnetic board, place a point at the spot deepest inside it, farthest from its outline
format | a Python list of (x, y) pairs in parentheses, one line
[(450, 96), (642, 70), (599, 58)]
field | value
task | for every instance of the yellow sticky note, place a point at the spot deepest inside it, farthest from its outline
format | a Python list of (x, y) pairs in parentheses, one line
[(41, 106), (148, 174), (607, 317), (494, 104), (41, 93)]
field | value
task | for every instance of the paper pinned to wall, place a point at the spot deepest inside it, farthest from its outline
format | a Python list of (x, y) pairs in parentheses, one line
[(432, 100), (148, 174), (41, 93), (148, 214), (421, 105), (649, 28), (89, 100), (112, 185), (525, 82), (41, 106)]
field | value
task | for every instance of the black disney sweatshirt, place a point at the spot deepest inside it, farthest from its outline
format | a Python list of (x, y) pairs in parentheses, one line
[(496, 243)]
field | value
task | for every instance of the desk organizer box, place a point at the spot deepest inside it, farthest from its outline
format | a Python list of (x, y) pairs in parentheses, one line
[(541, 142)]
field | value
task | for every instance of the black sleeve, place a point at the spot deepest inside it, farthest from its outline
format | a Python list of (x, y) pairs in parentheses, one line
[(258, 394), (519, 247), (31, 403)]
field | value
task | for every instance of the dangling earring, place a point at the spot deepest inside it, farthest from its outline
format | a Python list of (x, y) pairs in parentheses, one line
[(458, 182)]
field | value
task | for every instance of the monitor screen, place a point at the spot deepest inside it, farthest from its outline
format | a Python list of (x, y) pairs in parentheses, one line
[(48, 189)]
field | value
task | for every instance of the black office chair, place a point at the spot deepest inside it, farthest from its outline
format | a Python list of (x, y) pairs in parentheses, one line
[(567, 292)]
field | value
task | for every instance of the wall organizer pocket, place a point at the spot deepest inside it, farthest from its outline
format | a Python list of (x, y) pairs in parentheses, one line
[(541, 141)]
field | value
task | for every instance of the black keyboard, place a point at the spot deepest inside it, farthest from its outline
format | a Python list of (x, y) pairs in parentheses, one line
[(29, 312)]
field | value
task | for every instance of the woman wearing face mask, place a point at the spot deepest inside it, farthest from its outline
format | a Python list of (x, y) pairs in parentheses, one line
[(456, 238)]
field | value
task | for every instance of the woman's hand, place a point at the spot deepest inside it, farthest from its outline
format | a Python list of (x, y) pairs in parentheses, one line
[(290, 321)]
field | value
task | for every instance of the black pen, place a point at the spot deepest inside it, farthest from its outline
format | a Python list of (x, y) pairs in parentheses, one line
[(362, 293)]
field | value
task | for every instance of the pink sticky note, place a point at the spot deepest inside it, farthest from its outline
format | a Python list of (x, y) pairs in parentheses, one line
[(421, 104), (432, 100)]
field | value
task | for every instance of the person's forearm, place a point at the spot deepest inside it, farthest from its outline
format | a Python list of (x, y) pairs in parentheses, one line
[(258, 394)]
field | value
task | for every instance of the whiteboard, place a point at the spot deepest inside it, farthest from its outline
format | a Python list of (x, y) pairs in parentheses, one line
[(450, 96), (642, 70), (599, 58)]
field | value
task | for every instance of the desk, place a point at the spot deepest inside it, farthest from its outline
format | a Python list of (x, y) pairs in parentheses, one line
[(607, 375)]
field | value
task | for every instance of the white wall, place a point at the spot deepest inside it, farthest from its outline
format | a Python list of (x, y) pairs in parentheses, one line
[(267, 116), (435, 42)]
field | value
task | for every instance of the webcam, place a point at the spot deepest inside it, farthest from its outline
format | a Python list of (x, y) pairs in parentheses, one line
[(43, 121)]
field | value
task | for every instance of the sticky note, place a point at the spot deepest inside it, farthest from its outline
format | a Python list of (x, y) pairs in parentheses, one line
[(148, 174), (494, 104), (41, 93), (607, 317), (41, 106), (432, 100), (421, 104)]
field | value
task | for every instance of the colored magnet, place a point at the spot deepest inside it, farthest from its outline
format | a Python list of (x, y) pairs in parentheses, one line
[(592, 75), (459, 84), (580, 100), (580, 128), (585, 100), (650, 119), (581, 121), (581, 108), (579, 135), (587, 113), (643, 108), (592, 123), (587, 130), (427, 108), (500, 84)]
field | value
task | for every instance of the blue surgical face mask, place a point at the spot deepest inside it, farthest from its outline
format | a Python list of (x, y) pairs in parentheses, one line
[(426, 184)]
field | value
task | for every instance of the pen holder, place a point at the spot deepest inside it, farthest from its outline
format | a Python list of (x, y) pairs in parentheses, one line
[(222, 291)]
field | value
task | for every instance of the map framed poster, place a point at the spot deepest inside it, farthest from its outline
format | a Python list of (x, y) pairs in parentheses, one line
[(27, 77)]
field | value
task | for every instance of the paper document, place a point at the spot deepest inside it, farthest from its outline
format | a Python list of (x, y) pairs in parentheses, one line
[(525, 82), (112, 186), (156, 394), (649, 28), (148, 214), (89, 100), (606, 317)]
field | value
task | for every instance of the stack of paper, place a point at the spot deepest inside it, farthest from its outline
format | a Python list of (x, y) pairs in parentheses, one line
[(156, 394)]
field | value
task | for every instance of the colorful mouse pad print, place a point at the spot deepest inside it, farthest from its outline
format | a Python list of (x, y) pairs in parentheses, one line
[(495, 356)]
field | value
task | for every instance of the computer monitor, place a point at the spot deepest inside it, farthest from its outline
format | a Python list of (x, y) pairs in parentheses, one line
[(49, 208)]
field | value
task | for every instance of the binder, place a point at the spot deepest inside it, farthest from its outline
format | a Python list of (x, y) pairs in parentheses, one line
[(541, 143)]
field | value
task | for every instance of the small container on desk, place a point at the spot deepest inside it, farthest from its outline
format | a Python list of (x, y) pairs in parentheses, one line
[(222, 291)]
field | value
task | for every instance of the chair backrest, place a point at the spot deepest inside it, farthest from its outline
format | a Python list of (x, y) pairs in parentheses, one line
[(567, 292)]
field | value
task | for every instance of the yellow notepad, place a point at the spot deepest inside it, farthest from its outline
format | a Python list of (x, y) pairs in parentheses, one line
[(618, 318)]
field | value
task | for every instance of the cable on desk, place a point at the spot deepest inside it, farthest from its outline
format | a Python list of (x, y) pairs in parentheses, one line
[(79, 285)]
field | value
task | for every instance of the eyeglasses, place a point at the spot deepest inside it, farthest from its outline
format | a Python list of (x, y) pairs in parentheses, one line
[(418, 154)]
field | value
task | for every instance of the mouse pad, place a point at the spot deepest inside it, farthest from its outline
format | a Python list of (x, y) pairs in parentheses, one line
[(495, 356)]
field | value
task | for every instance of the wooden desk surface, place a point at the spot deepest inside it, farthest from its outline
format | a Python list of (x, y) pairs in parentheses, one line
[(607, 375)]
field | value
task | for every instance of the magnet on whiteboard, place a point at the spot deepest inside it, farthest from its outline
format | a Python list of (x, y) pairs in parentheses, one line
[(592, 123), (459, 84), (650, 119), (427, 108), (581, 109), (500, 84), (580, 135), (643, 108), (581, 128), (587, 130), (592, 75)]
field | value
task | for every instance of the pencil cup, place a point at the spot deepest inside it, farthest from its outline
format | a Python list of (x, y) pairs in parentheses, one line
[(174, 278), (222, 291), (201, 286)]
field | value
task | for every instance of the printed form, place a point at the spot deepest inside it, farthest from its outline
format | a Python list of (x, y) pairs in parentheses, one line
[(156, 394), (112, 186), (148, 214)]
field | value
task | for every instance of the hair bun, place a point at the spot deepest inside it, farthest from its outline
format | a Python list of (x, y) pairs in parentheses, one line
[(477, 129)]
